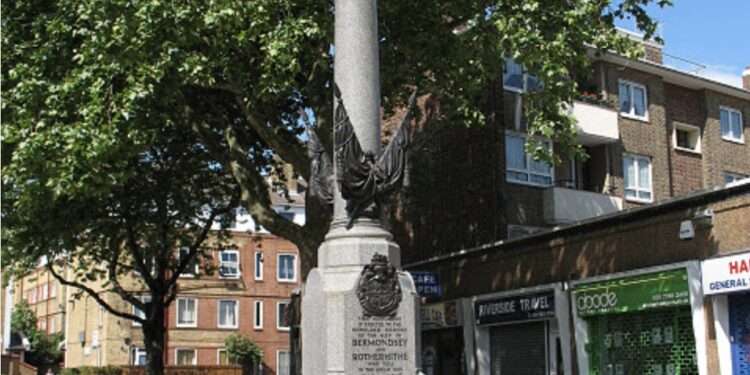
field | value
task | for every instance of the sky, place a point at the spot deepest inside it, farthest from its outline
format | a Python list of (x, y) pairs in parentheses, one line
[(712, 33)]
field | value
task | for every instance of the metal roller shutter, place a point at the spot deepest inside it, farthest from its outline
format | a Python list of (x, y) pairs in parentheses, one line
[(519, 349)]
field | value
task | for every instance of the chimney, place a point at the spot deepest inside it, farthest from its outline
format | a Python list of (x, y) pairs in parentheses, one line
[(653, 52), (746, 78)]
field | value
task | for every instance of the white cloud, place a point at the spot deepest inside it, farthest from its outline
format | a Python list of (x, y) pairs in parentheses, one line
[(723, 73)]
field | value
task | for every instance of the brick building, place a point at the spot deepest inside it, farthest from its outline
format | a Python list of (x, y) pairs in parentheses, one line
[(45, 296), (652, 133)]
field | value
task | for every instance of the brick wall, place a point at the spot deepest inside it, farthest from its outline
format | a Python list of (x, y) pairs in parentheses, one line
[(720, 155), (685, 107)]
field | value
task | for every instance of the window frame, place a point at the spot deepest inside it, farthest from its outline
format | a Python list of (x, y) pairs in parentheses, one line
[(525, 76), (187, 274), (135, 310), (637, 188), (236, 275), (236, 314), (690, 129), (529, 159), (218, 357), (176, 356), (631, 112), (730, 110), (294, 267), (735, 177), (278, 360), (134, 352), (194, 324), (258, 315), (258, 271), (52, 290), (279, 317)]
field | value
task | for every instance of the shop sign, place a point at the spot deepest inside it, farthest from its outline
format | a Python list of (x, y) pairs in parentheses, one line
[(439, 315), (523, 307), (427, 284), (637, 293), (726, 274)]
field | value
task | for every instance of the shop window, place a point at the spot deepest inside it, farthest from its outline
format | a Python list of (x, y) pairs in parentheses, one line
[(731, 124), (637, 176)]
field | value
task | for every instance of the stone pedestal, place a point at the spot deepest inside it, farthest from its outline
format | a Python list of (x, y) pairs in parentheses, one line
[(338, 337)]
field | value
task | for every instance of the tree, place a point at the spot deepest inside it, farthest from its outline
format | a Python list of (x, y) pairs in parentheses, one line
[(45, 351), (243, 351), (94, 91)]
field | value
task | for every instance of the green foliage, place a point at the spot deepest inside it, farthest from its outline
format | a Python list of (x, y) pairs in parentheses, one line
[(44, 348), (242, 350)]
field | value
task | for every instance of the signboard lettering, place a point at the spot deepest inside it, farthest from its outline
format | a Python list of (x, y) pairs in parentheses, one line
[(379, 345), (427, 284), (637, 293), (726, 274), (524, 307)]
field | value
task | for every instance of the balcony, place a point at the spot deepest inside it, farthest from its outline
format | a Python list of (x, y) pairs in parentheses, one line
[(565, 206), (596, 124)]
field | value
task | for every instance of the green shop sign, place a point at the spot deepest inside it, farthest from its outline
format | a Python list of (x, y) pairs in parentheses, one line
[(630, 294)]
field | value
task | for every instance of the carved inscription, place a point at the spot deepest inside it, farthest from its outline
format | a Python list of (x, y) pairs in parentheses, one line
[(379, 345)]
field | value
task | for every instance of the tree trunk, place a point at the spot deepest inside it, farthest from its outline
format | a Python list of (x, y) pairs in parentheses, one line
[(153, 337)]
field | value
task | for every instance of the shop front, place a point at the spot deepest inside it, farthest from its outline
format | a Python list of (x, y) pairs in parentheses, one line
[(641, 322), (523, 332), (726, 282), (443, 339)]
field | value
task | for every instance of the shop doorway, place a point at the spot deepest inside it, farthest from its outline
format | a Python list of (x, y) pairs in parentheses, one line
[(739, 328), (519, 349), (443, 351)]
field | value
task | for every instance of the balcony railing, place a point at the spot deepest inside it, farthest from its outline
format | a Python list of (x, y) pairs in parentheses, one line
[(565, 206), (596, 124)]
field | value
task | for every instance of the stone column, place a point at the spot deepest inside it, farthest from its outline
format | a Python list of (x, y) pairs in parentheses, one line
[(335, 336)]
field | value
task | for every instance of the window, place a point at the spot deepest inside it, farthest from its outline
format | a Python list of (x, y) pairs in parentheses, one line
[(687, 138), (258, 315), (229, 266), (185, 357), (32, 295), (138, 357), (43, 324), (52, 324), (192, 269), (730, 177), (187, 312), (138, 312), (43, 290), (286, 267), (731, 124), (281, 316), (228, 313), (289, 216), (258, 265), (222, 358), (633, 100), (515, 78), (637, 175), (521, 167), (52, 290), (282, 363)]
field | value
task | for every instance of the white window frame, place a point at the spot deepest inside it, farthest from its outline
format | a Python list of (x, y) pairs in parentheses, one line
[(529, 159), (258, 265), (176, 356), (137, 312), (637, 188), (689, 129), (278, 360), (731, 110), (134, 354), (524, 77), (177, 313), (236, 314), (294, 267), (187, 273), (218, 356), (631, 112), (279, 318), (258, 314), (52, 324), (221, 262), (43, 292)]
